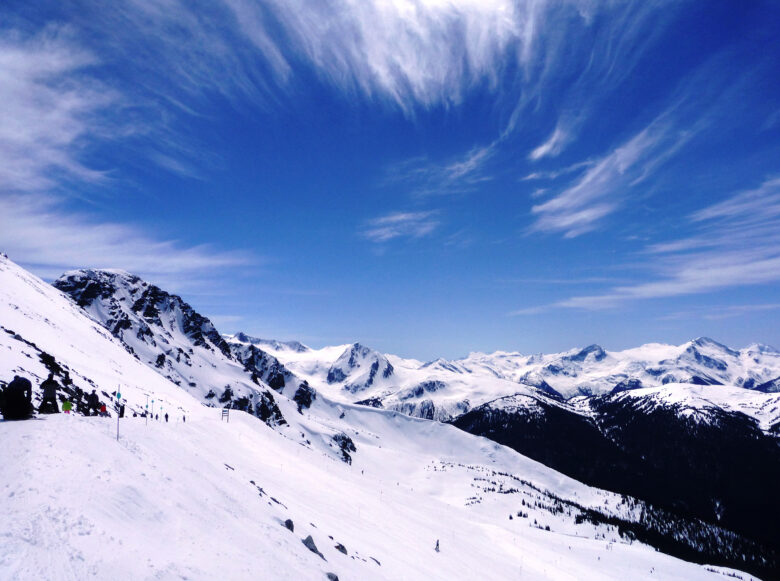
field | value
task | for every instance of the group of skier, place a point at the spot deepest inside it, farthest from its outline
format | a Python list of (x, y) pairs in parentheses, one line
[(16, 400)]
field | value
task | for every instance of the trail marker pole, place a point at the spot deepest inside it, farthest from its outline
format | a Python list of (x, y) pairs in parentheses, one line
[(118, 404)]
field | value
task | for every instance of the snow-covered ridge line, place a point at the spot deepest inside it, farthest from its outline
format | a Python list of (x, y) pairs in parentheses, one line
[(445, 389)]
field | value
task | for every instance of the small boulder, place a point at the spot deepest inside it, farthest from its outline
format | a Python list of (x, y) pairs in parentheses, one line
[(332, 577), (341, 548), (288, 524), (309, 544)]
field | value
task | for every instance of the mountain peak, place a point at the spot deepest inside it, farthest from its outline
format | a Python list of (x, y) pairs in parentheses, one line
[(594, 352), (359, 367), (760, 348), (707, 342), (271, 344)]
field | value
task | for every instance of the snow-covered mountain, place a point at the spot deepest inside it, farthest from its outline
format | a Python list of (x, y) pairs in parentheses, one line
[(443, 389), (272, 344), (166, 333), (367, 492)]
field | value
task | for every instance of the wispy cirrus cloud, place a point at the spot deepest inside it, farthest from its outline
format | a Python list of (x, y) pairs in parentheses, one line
[(735, 243), (720, 312), (51, 109), (166, 58), (38, 232), (552, 146), (410, 51), (701, 101), (551, 175), (458, 175), (601, 190), (400, 225)]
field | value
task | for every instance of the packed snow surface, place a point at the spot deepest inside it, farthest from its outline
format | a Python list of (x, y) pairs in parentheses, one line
[(207, 499)]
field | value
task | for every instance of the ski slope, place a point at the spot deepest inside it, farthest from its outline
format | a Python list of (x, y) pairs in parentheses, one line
[(207, 499)]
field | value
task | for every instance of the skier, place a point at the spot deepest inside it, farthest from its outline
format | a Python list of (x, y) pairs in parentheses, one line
[(17, 399), (184, 419), (103, 411), (437, 546), (156, 417), (79, 398), (67, 406), (166, 417), (93, 402), (49, 401)]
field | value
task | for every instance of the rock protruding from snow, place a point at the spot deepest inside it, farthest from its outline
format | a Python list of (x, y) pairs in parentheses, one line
[(304, 396), (262, 366), (309, 544), (345, 445)]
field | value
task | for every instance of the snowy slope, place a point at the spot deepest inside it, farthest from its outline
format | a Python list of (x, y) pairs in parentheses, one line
[(699, 401), (207, 499)]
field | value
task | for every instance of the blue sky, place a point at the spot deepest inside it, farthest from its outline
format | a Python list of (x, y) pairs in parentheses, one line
[(427, 177)]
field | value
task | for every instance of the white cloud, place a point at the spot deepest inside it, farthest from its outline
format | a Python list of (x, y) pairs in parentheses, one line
[(552, 146), (413, 52), (400, 225), (50, 109), (37, 232), (172, 54), (601, 190), (737, 244), (455, 176)]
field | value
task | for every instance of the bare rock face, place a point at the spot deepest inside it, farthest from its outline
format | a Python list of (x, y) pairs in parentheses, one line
[(346, 445), (304, 396)]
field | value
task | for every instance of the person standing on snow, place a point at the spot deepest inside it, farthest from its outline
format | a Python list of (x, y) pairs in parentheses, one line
[(49, 401), (93, 403), (166, 417), (78, 396), (17, 399), (103, 411), (67, 406)]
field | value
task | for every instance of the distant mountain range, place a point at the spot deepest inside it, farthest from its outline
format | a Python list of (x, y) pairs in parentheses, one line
[(445, 389)]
